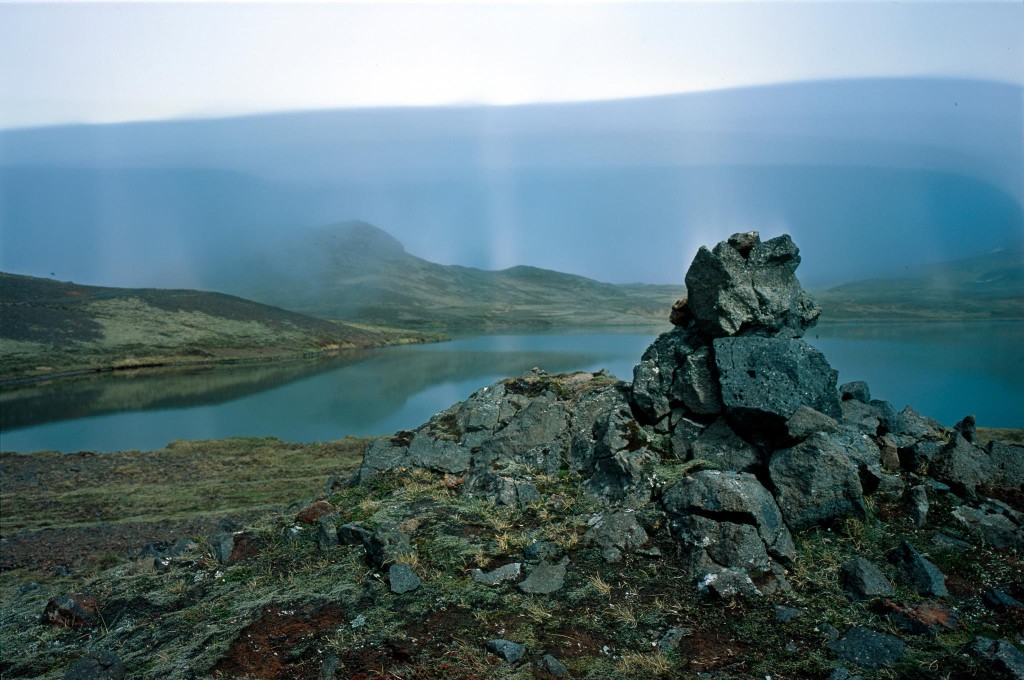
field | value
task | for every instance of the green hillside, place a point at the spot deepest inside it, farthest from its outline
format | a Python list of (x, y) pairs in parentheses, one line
[(988, 287), (355, 271), (50, 327)]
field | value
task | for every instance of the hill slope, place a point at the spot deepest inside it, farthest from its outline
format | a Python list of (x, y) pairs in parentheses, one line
[(985, 287), (355, 271), (52, 327)]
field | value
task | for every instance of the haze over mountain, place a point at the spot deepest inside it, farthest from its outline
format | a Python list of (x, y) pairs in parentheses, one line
[(862, 173)]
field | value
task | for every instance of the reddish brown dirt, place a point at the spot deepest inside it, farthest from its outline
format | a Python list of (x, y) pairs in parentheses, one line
[(262, 648)]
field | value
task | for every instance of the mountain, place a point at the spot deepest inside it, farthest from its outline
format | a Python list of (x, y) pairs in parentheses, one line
[(50, 327), (865, 174), (355, 271), (985, 287)]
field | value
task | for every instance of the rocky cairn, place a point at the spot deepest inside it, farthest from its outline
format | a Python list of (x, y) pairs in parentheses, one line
[(733, 430)]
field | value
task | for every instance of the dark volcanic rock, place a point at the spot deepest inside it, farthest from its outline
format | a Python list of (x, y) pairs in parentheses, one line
[(509, 651), (858, 389), (1000, 601), (97, 666), (724, 449), (968, 429), (805, 421), (993, 523), (727, 520), (402, 579), (868, 648), (552, 666), (919, 573), (745, 286), (819, 480), (862, 580), (765, 380), (508, 572), (658, 379), (1001, 656), (964, 466), (544, 579), (72, 610), (385, 546), (616, 532)]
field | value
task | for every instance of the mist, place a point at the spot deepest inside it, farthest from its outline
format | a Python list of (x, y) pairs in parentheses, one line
[(868, 176)]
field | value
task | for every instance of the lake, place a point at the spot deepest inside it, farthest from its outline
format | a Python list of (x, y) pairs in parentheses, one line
[(944, 370)]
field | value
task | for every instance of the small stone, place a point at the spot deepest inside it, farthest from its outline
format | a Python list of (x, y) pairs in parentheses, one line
[(508, 572), (97, 666), (1000, 601), (311, 513), (805, 421), (72, 610), (728, 584), (1001, 656), (326, 532), (921, 574), (509, 651), (944, 541), (552, 666), (918, 506), (785, 614), (329, 668), (353, 534), (222, 545), (542, 550), (616, 532), (672, 638), (386, 546), (402, 579), (863, 580), (868, 648), (830, 631), (28, 588), (968, 428), (857, 390), (544, 579)]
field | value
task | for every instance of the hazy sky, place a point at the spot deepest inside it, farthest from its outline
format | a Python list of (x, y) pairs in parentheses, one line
[(76, 62)]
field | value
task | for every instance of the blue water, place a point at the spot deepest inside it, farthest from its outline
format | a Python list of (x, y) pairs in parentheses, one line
[(944, 370)]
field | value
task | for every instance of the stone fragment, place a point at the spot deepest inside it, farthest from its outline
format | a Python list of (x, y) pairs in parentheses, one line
[(673, 637), (963, 466), (785, 614), (508, 572), (327, 532), (765, 380), (945, 541), (720, 446), (552, 666), (542, 550), (917, 508), (858, 390), (1000, 655), (1008, 465), (993, 524), (860, 415), (329, 668), (221, 546), (402, 578), (863, 580), (353, 533), (1001, 602), (805, 421), (868, 648), (697, 385), (890, 457), (72, 610), (616, 532), (968, 429), (97, 666), (751, 291), (818, 481), (728, 584), (545, 578), (920, 574), (386, 546), (509, 651), (656, 389)]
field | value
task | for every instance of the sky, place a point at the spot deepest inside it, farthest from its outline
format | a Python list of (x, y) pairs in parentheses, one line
[(112, 62)]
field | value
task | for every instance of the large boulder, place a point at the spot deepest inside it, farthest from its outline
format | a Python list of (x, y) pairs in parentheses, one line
[(821, 479), (744, 286), (727, 521), (662, 381), (765, 380)]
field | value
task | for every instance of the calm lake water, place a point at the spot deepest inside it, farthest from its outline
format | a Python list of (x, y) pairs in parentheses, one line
[(944, 370)]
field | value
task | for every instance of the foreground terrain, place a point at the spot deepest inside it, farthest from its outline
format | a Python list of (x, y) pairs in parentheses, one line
[(53, 328)]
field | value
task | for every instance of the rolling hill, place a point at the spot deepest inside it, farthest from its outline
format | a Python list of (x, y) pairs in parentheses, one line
[(987, 287), (355, 271), (50, 327)]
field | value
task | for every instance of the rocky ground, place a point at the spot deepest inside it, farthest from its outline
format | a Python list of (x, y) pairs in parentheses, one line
[(730, 513)]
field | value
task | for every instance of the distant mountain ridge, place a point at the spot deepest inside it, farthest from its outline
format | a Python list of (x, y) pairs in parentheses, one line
[(355, 271)]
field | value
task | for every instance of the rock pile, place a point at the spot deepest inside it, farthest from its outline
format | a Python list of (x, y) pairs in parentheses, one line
[(733, 429)]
